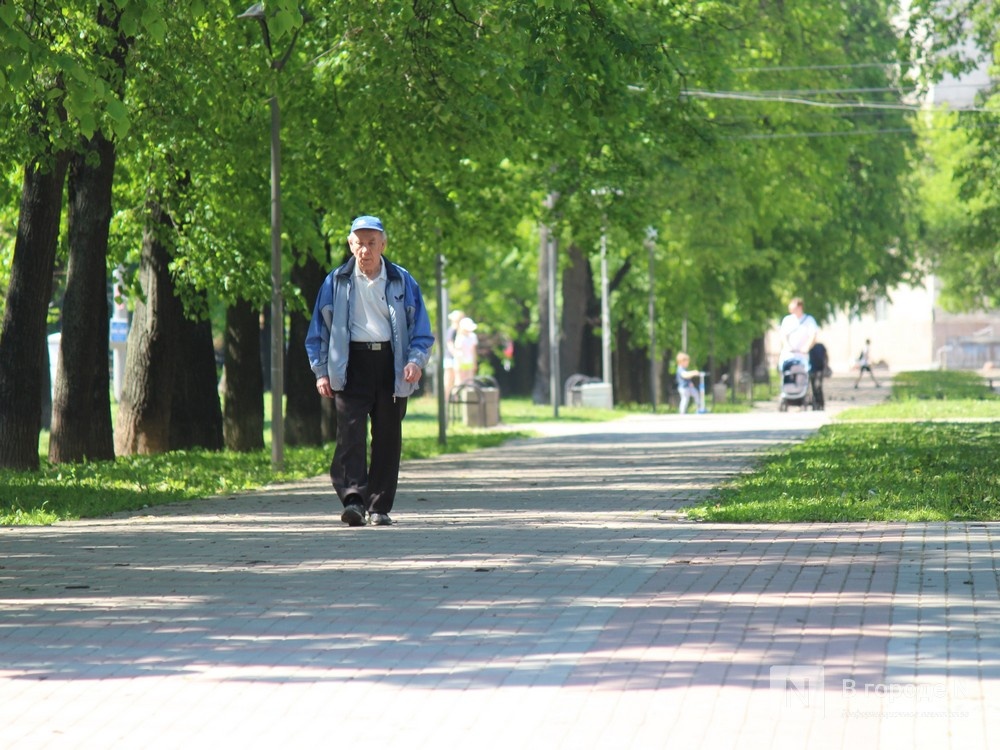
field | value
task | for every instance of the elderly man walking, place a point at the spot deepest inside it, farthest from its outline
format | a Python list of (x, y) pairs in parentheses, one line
[(368, 342)]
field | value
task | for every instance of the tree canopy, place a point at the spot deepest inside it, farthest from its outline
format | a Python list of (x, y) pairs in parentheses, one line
[(768, 144), (957, 177)]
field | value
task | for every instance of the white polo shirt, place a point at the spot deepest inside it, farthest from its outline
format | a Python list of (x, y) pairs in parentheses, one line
[(369, 308), (795, 333)]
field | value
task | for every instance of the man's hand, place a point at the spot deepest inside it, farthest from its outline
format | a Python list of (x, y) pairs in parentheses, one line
[(411, 373), (323, 386)]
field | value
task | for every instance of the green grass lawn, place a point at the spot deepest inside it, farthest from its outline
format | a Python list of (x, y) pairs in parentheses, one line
[(934, 395), (95, 489), (928, 454)]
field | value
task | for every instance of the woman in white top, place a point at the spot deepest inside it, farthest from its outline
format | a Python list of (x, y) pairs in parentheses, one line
[(798, 334), (466, 346)]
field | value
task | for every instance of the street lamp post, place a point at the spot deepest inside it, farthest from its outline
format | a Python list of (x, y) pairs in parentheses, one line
[(606, 374), (605, 307), (549, 247), (554, 374), (277, 303), (653, 380), (256, 12), (439, 381)]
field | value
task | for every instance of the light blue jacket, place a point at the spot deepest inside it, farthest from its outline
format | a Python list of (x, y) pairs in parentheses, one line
[(329, 337)]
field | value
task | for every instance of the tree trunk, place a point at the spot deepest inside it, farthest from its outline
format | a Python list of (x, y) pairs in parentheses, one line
[(46, 388), (22, 338), (623, 351), (81, 408), (195, 410), (304, 416), (758, 355), (243, 392), (143, 424), (577, 291), (631, 366)]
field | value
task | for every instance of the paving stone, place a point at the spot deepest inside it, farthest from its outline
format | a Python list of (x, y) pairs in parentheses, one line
[(544, 594)]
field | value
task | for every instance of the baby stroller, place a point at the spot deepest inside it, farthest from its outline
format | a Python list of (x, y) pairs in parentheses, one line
[(795, 383)]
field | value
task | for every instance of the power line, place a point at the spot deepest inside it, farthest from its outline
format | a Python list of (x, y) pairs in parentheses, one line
[(800, 92), (844, 66), (831, 134), (796, 100), (750, 97)]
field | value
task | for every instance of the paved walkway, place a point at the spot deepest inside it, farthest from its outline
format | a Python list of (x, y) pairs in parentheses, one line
[(545, 594)]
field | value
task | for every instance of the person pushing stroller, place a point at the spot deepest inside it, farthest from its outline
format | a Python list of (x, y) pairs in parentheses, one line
[(798, 334)]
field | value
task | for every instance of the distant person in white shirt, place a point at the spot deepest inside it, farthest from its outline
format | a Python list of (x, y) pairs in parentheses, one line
[(466, 351), (798, 334), (864, 364)]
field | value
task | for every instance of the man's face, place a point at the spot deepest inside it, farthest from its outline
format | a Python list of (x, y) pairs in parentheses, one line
[(367, 246), (795, 308)]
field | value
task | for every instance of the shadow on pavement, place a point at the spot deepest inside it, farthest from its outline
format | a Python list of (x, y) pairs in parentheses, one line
[(557, 561)]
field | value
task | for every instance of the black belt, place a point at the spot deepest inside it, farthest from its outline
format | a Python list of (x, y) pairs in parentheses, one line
[(369, 346)]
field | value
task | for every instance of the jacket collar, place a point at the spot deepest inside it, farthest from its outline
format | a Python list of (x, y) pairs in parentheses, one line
[(347, 269)]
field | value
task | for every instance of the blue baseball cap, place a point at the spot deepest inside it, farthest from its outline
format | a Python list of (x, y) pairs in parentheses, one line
[(367, 222)]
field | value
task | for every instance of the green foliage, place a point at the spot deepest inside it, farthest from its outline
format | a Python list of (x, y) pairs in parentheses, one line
[(460, 119), (454, 121), (755, 196), (59, 78), (956, 190), (958, 178)]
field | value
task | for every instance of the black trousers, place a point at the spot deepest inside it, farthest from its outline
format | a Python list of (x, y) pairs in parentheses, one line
[(367, 395), (816, 381)]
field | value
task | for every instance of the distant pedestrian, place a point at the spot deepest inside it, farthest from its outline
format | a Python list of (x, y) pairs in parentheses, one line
[(449, 350), (798, 332), (819, 367), (466, 351), (685, 384), (864, 364)]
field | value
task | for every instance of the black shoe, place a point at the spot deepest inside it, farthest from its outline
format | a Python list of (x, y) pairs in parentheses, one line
[(380, 519), (353, 515)]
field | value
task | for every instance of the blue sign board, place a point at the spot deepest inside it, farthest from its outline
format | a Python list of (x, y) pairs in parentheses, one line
[(119, 331)]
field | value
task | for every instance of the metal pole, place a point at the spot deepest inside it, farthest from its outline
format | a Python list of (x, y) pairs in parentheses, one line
[(651, 246), (277, 308), (605, 311), (442, 396), (553, 330), (257, 12)]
